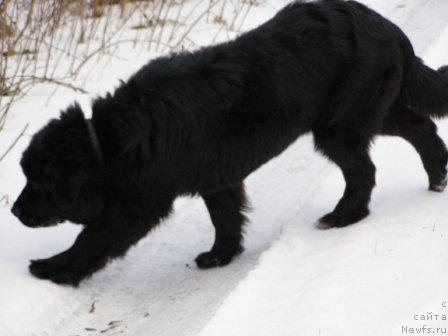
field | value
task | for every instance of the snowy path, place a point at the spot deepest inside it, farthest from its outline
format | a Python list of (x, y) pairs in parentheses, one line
[(387, 268)]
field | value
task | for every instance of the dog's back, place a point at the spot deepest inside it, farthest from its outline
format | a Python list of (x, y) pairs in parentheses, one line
[(314, 67), (327, 67)]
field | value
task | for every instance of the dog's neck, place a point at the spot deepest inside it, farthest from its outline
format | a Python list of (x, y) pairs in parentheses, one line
[(95, 143)]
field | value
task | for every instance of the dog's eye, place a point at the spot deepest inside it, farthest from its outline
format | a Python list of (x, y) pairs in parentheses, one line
[(37, 186)]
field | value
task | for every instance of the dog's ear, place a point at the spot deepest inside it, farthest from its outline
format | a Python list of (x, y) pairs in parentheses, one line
[(65, 186)]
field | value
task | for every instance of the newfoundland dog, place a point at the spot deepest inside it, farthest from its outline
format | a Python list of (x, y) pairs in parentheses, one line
[(198, 123)]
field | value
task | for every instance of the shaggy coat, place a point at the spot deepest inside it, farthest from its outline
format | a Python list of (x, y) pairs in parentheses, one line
[(198, 123)]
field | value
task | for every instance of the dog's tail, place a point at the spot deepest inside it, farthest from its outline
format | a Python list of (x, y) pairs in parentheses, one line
[(426, 90)]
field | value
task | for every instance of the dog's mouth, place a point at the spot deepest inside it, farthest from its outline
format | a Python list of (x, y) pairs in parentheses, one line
[(34, 223)]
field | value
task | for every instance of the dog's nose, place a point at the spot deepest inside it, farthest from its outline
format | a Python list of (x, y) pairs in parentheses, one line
[(15, 211)]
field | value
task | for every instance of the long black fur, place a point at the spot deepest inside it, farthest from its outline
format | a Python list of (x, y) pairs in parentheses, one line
[(199, 123)]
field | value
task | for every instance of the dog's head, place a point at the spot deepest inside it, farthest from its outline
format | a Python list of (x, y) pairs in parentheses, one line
[(62, 174)]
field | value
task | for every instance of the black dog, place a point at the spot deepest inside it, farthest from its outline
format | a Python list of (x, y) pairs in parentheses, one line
[(199, 123)]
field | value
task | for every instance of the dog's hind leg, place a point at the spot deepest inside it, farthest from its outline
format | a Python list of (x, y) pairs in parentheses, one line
[(421, 132), (350, 153), (226, 208)]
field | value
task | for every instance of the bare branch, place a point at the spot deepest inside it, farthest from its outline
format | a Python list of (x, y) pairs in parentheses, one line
[(14, 143)]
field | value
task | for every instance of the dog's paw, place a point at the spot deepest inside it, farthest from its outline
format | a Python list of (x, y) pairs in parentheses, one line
[(213, 259), (321, 225), (55, 269), (337, 219), (439, 186)]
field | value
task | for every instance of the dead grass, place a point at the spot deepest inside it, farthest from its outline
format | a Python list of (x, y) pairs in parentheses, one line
[(55, 42)]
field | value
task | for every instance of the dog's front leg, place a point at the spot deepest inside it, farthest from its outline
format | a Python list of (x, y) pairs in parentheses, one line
[(98, 243)]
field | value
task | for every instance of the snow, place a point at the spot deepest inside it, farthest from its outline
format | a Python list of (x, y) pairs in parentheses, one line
[(371, 278)]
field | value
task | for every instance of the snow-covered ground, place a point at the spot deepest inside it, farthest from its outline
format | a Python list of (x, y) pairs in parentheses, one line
[(372, 278)]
